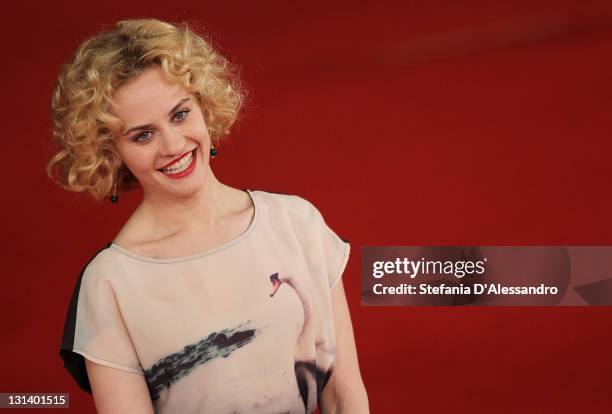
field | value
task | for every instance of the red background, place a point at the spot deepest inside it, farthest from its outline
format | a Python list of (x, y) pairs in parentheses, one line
[(474, 122)]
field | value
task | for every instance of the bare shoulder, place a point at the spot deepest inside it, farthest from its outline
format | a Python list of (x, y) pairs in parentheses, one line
[(117, 391), (128, 235), (240, 199)]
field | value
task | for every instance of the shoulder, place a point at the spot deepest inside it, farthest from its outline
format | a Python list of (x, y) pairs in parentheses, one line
[(99, 267), (92, 280), (291, 206)]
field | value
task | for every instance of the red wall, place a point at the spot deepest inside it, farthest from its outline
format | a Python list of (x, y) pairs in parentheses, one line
[(485, 122)]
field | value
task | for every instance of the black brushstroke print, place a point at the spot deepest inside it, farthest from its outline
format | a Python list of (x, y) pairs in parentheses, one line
[(172, 368)]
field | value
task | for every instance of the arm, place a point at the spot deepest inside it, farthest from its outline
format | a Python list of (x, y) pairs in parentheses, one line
[(345, 392), (117, 391)]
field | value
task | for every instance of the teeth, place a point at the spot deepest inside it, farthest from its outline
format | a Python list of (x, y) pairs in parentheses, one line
[(179, 166)]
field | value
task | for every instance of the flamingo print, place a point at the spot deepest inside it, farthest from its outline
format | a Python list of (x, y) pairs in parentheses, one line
[(310, 378)]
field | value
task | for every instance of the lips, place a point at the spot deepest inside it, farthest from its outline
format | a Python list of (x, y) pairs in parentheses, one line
[(176, 159)]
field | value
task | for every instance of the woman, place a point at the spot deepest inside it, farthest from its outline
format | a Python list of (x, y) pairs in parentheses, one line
[(209, 299)]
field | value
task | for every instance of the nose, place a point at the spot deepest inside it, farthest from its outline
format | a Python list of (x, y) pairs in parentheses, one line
[(172, 142)]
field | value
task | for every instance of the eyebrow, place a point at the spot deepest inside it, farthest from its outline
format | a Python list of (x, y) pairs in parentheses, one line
[(148, 126)]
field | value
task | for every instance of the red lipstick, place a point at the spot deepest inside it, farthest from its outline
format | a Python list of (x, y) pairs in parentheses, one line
[(186, 172), (175, 160)]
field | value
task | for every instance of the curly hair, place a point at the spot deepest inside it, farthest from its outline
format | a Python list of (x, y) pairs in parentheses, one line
[(84, 128)]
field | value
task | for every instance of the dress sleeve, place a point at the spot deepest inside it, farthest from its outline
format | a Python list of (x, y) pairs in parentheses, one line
[(334, 250), (95, 328)]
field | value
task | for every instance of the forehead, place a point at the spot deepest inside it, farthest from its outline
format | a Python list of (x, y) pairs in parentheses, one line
[(147, 94)]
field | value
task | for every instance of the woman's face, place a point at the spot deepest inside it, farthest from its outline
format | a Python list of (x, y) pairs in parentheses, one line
[(162, 123)]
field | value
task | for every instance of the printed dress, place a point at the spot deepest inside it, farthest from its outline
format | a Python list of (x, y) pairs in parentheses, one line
[(244, 328)]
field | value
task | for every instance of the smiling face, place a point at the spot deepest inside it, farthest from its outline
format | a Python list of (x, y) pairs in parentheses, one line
[(163, 126)]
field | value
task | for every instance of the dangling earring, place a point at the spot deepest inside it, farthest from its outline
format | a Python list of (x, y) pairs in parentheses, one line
[(115, 197), (213, 152)]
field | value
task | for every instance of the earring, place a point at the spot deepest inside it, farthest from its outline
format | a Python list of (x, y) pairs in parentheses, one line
[(213, 152), (115, 197)]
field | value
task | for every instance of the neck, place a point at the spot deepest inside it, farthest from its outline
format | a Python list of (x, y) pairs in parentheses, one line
[(200, 211)]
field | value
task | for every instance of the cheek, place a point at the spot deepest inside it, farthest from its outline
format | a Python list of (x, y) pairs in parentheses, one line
[(197, 129), (138, 161), (199, 122)]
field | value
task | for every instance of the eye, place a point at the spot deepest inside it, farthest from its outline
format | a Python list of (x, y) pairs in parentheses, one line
[(180, 115), (144, 136)]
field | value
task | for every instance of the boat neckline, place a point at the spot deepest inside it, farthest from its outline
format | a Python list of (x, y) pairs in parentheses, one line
[(209, 252)]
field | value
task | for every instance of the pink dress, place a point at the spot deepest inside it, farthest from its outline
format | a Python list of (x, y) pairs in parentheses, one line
[(246, 327)]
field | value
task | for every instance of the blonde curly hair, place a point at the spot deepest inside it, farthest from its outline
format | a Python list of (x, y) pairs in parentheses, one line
[(84, 127)]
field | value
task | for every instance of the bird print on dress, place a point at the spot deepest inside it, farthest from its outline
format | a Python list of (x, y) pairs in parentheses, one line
[(310, 378)]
